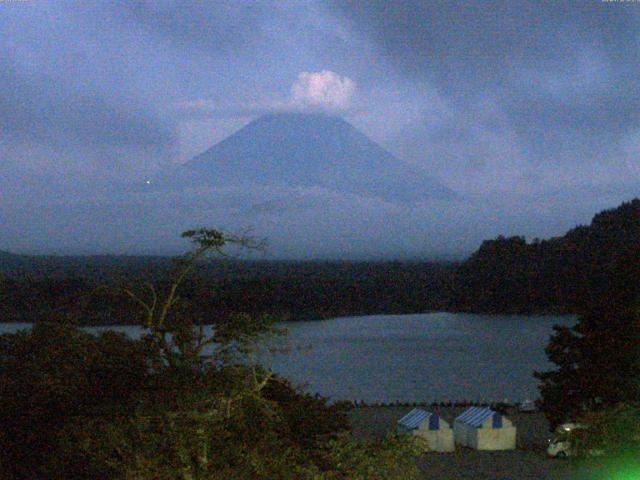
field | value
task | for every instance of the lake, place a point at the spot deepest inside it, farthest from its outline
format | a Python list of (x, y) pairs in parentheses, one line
[(425, 357)]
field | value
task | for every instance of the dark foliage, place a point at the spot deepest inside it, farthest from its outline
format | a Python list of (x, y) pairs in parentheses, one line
[(50, 375), (75, 405), (598, 364), (61, 388), (614, 431), (288, 290), (309, 418), (564, 274)]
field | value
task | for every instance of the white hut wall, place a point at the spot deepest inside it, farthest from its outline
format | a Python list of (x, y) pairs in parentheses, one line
[(501, 438), (495, 438)]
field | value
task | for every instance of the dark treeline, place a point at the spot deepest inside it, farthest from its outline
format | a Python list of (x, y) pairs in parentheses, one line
[(505, 275), (39, 287), (563, 274)]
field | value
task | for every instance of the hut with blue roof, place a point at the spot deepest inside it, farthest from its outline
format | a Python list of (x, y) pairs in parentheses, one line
[(433, 430), (483, 429)]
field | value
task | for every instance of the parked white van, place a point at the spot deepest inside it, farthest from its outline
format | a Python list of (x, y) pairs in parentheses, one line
[(560, 444)]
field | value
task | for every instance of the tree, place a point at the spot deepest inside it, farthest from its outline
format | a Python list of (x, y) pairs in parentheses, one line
[(599, 261), (201, 409), (176, 329), (598, 364), (49, 375)]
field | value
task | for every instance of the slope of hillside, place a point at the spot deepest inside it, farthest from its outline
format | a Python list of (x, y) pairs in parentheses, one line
[(10, 261), (590, 264), (311, 150)]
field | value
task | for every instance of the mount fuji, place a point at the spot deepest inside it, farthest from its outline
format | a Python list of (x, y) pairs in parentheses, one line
[(310, 150)]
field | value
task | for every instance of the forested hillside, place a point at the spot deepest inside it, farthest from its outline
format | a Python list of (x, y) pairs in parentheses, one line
[(560, 274)]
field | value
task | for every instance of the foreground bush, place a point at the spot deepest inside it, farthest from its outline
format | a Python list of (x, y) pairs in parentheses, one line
[(614, 432), (106, 407), (597, 363), (75, 405), (51, 374)]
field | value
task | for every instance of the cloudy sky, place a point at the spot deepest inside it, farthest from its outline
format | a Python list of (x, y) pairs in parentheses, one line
[(529, 110)]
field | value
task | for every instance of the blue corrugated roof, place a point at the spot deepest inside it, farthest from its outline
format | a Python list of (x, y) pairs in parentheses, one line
[(414, 418), (475, 416)]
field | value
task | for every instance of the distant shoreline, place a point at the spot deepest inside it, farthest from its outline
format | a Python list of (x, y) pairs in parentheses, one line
[(316, 318)]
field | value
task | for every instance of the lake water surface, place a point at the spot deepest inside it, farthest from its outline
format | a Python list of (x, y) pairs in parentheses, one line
[(425, 357)]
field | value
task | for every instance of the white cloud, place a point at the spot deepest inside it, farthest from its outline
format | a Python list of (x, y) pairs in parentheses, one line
[(203, 122), (325, 89)]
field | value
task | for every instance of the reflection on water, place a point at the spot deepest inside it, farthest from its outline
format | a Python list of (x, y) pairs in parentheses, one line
[(435, 356)]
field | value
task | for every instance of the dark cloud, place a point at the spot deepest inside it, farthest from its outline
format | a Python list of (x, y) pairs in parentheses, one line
[(446, 40), (36, 109), (556, 69), (219, 27)]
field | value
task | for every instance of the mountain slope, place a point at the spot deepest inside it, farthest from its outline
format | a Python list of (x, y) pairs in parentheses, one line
[(311, 150)]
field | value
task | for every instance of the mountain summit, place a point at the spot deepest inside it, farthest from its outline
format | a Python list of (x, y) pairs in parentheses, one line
[(311, 150)]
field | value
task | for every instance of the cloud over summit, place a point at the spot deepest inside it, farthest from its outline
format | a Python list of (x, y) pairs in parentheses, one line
[(312, 91), (323, 90)]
